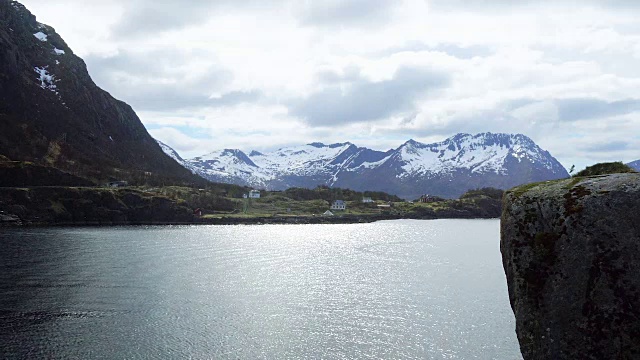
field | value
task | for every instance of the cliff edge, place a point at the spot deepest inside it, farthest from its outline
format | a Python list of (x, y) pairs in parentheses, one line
[(571, 254)]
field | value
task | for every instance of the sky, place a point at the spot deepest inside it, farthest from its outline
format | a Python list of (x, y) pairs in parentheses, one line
[(258, 75)]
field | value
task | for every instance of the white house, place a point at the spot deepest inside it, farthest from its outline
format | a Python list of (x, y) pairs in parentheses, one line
[(116, 184), (338, 205), (254, 194), (367, 200)]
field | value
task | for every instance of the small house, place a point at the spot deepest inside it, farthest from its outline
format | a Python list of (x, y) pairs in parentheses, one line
[(367, 200), (254, 194), (430, 198), (339, 205), (116, 184), (197, 212)]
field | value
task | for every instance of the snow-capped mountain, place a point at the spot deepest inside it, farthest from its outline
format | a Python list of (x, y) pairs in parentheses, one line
[(635, 165), (448, 168)]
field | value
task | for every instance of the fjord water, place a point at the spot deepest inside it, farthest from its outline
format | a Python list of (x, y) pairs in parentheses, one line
[(403, 289)]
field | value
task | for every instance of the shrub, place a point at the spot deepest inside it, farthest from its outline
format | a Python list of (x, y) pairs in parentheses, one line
[(605, 168)]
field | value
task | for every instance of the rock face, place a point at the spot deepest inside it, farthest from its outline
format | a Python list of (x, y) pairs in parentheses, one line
[(53, 114), (571, 254)]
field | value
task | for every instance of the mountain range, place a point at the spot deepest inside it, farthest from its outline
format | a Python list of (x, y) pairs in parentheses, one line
[(53, 114), (446, 169), (635, 165)]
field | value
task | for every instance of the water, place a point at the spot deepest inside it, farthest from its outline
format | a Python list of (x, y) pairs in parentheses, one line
[(388, 290)]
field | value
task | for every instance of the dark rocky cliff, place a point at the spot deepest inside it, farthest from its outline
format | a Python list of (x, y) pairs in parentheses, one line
[(571, 254), (53, 114)]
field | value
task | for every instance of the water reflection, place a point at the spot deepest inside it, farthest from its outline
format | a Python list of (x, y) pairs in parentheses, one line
[(397, 289)]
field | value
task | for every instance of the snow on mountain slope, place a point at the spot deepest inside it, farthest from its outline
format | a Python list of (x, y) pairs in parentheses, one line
[(175, 156), (635, 165), (303, 160), (232, 166), (447, 168), (479, 153)]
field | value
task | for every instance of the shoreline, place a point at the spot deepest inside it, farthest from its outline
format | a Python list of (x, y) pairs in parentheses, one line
[(266, 220)]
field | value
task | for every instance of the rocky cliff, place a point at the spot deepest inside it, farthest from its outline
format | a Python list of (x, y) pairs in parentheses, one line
[(53, 114), (571, 254)]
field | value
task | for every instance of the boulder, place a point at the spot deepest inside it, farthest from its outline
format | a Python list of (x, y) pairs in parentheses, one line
[(571, 254)]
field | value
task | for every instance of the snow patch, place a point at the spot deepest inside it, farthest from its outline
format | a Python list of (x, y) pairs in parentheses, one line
[(40, 36), (47, 80), (58, 51)]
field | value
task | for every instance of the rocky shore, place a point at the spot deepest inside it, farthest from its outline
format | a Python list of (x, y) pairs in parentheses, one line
[(571, 254)]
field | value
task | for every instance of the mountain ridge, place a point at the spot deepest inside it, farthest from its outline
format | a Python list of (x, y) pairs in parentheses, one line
[(635, 165), (446, 168)]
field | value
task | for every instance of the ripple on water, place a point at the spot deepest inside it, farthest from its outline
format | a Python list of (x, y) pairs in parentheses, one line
[(392, 289)]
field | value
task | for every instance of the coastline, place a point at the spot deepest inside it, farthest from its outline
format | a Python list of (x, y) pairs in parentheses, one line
[(87, 206), (266, 220)]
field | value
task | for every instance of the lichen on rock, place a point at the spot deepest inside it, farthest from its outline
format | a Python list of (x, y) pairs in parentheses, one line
[(571, 254)]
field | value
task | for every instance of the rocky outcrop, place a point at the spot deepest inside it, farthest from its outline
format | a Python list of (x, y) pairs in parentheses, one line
[(571, 254), (53, 114)]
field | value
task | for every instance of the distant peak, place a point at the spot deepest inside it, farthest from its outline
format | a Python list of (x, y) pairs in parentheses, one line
[(340, 144), (412, 143), (317, 144), (231, 152), (255, 153)]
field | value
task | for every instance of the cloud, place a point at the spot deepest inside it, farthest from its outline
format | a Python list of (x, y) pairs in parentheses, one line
[(364, 100), (455, 50), (610, 146), (592, 108), (148, 16), (159, 85), (169, 97), (491, 5), (343, 13), (569, 109)]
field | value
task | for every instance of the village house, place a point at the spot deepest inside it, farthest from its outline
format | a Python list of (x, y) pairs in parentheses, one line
[(254, 194), (339, 205), (385, 205), (367, 200), (116, 184), (429, 198)]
